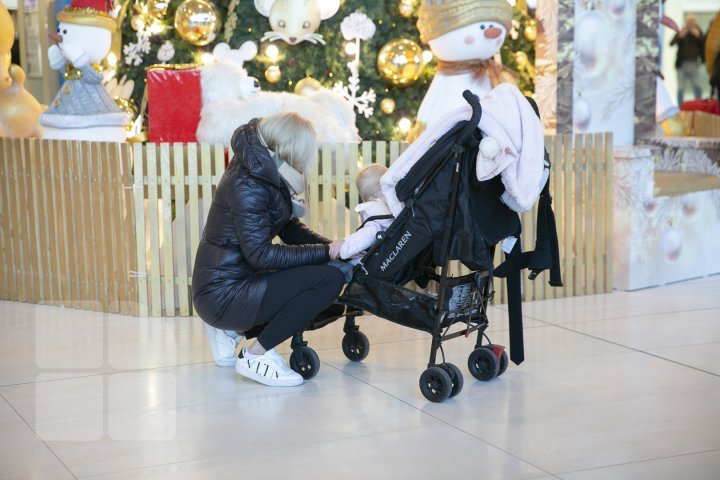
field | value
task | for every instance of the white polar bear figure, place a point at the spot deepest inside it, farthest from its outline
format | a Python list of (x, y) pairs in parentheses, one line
[(465, 36), (232, 98)]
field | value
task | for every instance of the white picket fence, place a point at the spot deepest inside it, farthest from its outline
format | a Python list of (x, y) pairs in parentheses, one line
[(132, 251)]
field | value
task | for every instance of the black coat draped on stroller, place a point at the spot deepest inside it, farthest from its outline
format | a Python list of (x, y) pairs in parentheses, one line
[(447, 215)]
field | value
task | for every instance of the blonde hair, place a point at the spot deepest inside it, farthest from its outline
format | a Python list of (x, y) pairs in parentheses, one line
[(291, 137), (368, 181)]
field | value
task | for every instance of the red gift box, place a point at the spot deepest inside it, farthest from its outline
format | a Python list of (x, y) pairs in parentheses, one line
[(174, 102)]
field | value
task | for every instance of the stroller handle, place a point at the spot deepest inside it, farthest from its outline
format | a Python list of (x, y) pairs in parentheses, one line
[(474, 102)]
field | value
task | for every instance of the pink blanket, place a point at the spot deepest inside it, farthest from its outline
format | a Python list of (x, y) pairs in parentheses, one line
[(508, 119)]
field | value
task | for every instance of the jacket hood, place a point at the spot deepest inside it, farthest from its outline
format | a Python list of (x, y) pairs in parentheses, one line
[(250, 153)]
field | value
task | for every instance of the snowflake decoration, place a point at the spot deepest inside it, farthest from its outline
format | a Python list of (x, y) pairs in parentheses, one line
[(363, 102), (357, 25), (166, 52), (134, 52)]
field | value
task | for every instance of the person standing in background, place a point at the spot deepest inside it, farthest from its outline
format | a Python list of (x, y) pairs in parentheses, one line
[(712, 55), (691, 53)]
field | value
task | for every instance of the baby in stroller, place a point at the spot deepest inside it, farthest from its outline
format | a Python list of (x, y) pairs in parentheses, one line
[(375, 216)]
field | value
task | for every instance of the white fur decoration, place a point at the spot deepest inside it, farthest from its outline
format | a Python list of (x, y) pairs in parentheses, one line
[(332, 116), (246, 52), (226, 79), (232, 98)]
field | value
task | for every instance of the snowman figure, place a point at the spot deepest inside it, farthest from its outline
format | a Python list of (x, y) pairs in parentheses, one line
[(82, 109), (465, 36)]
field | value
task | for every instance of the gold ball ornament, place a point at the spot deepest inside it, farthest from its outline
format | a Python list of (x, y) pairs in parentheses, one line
[(158, 8), (387, 105), (197, 22), (273, 74), (400, 62), (137, 22), (522, 59), (406, 9), (530, 32), (306, 86)]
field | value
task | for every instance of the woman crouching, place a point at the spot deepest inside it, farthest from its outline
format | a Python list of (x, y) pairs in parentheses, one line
[(241, 278)]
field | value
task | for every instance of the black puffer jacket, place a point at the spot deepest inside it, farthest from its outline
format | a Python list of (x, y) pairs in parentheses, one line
[(251, 207)]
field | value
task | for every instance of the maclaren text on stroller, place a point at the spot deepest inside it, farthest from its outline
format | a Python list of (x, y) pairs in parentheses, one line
[(447, 215)]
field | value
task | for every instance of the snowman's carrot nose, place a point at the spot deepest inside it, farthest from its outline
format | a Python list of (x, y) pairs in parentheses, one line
[(493, 32), (55, 37)]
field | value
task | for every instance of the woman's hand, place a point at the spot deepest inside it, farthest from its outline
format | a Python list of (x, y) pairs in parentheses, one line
[(335, 248)]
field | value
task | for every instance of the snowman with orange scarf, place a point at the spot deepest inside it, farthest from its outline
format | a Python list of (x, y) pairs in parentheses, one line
[(465, 36)]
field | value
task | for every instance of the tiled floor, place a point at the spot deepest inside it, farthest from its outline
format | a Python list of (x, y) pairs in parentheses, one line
[(618, 386)]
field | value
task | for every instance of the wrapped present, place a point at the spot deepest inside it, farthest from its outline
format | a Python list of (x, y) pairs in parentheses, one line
[(174, 102)]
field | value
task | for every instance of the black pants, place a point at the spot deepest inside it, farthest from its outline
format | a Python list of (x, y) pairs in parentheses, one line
[(294, 298)]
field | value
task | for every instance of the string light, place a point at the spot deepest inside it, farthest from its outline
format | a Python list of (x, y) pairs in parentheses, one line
[(207, 58), (156, 28), (112, 60), (427, 56), (404, 124), (272, 52)]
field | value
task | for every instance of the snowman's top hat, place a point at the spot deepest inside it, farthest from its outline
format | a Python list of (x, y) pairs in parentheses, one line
[(438, 17), (92, 13)]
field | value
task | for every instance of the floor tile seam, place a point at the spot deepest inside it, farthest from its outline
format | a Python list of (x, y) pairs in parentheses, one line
[(52, 452), (454, 427), (700, 344), (638, 461), (145, 369), (408, 340), (635, 349), (141, 411), (620, 317), (264, 449)]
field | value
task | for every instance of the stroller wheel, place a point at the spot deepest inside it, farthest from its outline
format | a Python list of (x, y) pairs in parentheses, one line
[(456, 377), (305, 361), (435, 384), (483, 364), (355, 345), (503, 359)]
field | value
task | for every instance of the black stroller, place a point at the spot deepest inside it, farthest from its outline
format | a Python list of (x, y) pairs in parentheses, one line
[(448, 215)]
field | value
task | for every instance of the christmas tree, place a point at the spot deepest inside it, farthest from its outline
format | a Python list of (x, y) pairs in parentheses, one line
[(150, 38), (518, 52), (328, 63)]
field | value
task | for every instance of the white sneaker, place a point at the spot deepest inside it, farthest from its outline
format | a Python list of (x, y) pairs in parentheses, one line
[(267, 370), (278, 359), (223, 344)]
